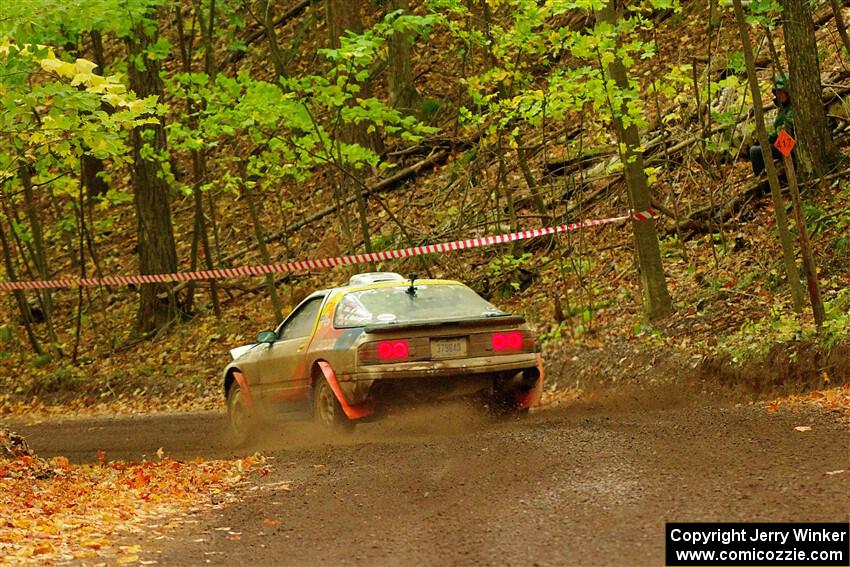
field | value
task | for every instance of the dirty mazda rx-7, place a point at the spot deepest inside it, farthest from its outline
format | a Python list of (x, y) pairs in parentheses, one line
[(349, 353)]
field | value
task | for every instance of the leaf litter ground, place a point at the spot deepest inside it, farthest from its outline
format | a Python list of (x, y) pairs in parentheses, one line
[(54, 512)]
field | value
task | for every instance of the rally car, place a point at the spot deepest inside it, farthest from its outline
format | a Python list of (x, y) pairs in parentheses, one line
[(346, 354)]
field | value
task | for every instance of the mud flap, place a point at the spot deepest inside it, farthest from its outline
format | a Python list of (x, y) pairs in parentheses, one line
[(532, 397), (246, 391), (358, 411)]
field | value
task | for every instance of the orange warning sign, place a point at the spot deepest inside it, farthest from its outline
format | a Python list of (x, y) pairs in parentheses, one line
[(784, 143)]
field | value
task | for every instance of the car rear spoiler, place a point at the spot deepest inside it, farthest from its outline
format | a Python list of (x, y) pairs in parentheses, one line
[(476, 321)]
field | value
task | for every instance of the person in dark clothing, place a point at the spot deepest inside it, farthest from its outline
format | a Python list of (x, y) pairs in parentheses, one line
[(784, 119)]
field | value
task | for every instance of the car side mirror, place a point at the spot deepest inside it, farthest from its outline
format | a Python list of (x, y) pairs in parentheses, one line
[(267, 337)]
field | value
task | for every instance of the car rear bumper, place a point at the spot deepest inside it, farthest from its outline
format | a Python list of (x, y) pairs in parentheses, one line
[(451, 376), (447, 367)]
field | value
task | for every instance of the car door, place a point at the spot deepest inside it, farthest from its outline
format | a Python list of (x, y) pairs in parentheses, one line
[(281, 366)]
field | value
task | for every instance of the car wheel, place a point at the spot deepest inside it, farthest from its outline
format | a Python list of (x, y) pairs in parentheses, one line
[(327, 413), (241, 423)]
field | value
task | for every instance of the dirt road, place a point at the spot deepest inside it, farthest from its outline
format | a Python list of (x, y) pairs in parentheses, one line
[(591, 484)]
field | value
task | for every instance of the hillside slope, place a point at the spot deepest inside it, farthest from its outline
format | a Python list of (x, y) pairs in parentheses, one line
[(579, 290)]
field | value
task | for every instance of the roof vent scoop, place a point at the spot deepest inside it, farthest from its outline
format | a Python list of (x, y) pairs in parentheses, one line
[(375, 277)]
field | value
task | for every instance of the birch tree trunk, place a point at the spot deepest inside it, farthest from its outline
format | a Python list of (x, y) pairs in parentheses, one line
[(656, 299)]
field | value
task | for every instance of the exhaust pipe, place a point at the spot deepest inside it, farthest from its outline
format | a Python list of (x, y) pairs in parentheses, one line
[(530, 377), (522, 380)]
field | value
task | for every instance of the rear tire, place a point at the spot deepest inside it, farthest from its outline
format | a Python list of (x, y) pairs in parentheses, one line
[(327, 413), (241, 423)]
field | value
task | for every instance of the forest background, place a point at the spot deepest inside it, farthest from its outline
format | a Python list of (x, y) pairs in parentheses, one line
[(154, 136)]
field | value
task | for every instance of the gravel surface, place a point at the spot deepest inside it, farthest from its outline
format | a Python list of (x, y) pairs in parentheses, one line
[(589, 484)]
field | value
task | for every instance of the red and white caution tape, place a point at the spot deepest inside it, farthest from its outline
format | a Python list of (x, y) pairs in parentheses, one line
[(304, 265)]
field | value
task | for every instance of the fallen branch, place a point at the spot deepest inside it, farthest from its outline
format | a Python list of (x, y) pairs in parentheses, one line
[(707, 219), (13, 446)]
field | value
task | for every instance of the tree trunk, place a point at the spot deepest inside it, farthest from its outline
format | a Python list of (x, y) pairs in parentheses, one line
[(40, 255), (198, 156), (81, 226), (344, 16), (403, 93), (91, 166), (656, 298), (788, 258), (842, 27), (209, 57), (23, 306), (248, 192), (157, 254), (816, 150), (531, 182), (267, 21)]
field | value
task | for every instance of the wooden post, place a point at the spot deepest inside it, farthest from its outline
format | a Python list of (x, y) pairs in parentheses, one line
[(784, 143), (788, 256)]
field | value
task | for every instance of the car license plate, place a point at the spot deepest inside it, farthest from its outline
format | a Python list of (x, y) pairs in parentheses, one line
[(448, 348)]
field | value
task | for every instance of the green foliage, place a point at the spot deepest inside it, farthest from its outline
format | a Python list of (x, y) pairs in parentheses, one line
[(53, 22), (430, 107), (530, 68), (836, 328), (41, 360), (56, 111), (510, 273), (755, 338), (66, 378), (295, 126), (384, 241), (736, 63), (521, 86), (763, 12)]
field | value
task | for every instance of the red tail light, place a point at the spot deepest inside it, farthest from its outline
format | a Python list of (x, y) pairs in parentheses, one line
[(393, 350), (506, 341)]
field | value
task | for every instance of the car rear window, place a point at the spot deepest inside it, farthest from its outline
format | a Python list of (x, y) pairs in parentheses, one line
[(389, 305)]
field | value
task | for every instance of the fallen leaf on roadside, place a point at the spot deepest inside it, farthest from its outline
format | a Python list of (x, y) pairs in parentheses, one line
[(56, 511), (61, 463), (42, 549), (835, 399), (94, 543)]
